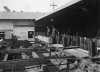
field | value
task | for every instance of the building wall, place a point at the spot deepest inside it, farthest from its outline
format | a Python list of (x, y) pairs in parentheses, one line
[(17, 27), (8, 34), (7, 28), (21, 29), (22, 23), (22, 32)]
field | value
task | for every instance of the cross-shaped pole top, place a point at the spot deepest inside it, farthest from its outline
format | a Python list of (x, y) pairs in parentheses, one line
[(53, 5)]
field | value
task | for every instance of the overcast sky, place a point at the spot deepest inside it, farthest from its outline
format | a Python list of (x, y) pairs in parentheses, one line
[(31, 5)]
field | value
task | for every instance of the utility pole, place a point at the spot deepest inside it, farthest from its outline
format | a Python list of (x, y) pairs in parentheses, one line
[(53, 5)]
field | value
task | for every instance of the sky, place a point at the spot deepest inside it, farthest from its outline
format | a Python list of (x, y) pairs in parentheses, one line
[(31, 5)]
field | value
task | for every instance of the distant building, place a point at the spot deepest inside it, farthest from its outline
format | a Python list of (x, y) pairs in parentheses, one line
[(20, 24)]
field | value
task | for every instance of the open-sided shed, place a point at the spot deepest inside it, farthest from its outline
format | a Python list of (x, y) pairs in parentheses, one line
[(77, 16)]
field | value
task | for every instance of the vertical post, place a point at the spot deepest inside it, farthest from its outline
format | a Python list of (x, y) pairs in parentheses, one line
[(48, 31), (50, 52), (67, 69), (93, 48), (57, 37), (71, 39), (5, 57), (12, 68), (83, 43), (63, 39), (80, 43)]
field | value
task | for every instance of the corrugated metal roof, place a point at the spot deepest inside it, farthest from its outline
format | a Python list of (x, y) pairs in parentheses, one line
[(20, 15)]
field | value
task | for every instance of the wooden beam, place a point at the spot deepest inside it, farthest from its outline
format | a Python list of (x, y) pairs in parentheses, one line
[(26, 50)]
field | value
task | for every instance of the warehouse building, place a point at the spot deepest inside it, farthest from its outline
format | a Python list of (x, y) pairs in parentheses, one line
[(19, 24)]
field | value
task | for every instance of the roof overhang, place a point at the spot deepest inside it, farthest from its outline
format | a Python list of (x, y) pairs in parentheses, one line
[(80, 16), (18, 20), (58, 9)]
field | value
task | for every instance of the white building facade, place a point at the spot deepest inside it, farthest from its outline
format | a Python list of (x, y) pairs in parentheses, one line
[(22, 29), (17, 24)]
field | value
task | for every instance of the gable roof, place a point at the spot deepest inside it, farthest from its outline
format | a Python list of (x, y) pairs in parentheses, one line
[(20, 15), (58, 9)]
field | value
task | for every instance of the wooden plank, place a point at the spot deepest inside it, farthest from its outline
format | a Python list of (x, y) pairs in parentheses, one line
[(80, 53), (28, 62), (26, 50)]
